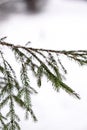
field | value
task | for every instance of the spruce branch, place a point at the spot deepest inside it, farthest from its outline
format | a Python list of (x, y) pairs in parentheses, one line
[(41, 62)]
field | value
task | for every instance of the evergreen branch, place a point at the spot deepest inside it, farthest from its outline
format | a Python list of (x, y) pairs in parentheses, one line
[(15, 115), (19, 101), (55, 68), (3, 103), (40, 62), (39, 75), (75, 52), (63, 68), (32, 114), (55, 80), (69, 90), (1, 69), (11, 69), (17, 125), (2, 117)]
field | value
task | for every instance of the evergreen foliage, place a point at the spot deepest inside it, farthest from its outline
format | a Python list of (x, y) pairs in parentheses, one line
[(41, 62)]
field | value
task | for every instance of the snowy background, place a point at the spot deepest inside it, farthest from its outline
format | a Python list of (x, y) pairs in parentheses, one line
[(61, 25)]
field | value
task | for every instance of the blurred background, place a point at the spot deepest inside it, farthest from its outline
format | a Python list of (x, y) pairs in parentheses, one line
[(8, 7), (54, 24)]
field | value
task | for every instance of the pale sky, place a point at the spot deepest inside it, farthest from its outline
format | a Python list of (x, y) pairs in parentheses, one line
[(63, 25)]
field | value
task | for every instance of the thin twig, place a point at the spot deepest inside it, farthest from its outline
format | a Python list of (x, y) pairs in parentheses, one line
[(73, 52)]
